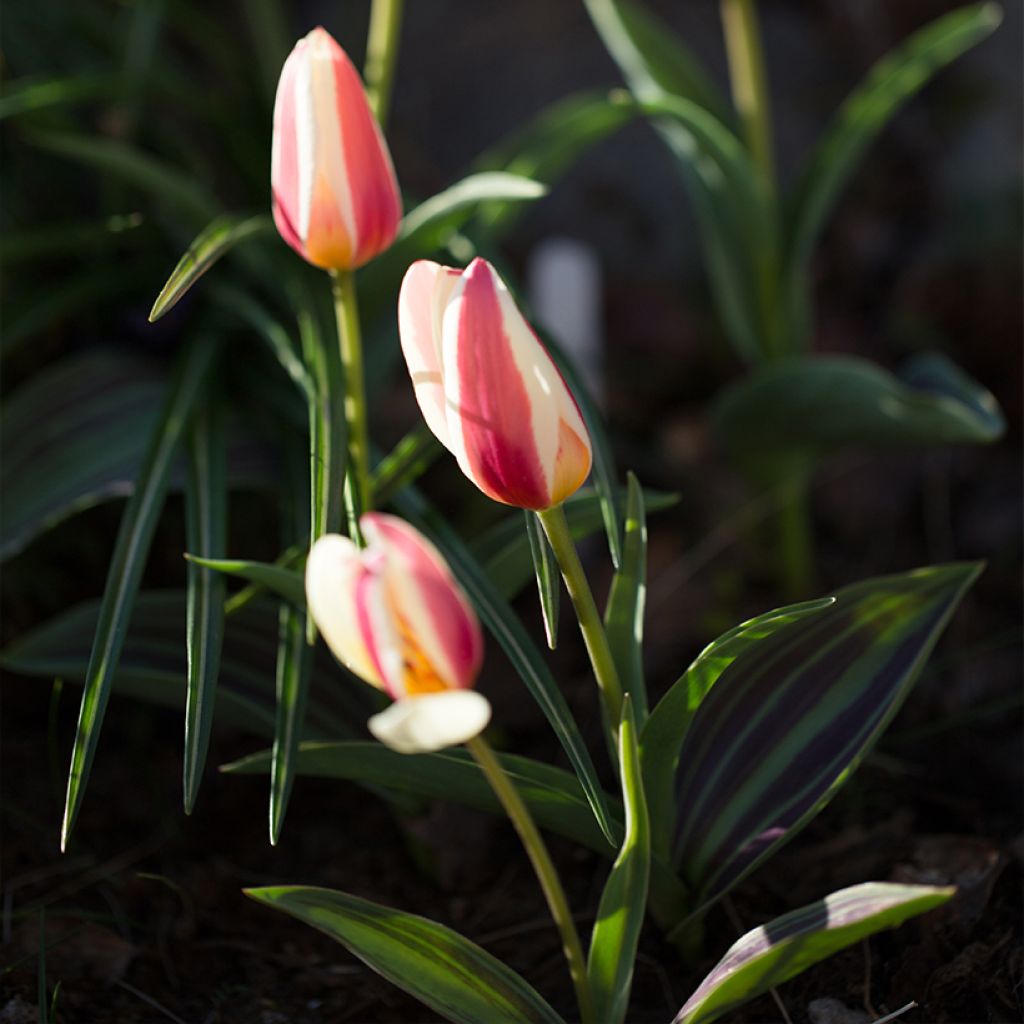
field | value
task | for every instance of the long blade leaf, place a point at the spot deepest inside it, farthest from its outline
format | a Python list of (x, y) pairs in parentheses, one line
[(450, 974), (126, 565), (548, 577)]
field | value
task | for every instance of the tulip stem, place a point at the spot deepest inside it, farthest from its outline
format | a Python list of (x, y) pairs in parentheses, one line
[(547, 875), (346, 309), (381, 53), (607, 676)]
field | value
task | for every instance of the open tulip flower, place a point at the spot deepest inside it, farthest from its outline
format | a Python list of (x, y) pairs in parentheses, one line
[(392, 613), (488, 388), (335, 197)]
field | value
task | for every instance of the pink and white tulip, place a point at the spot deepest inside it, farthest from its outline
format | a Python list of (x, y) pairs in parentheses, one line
[(393, 614), (335, 198), (488, 388)]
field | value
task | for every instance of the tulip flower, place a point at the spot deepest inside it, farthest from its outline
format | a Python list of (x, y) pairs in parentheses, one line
[(335, 197), (392, 613), (488, 388)]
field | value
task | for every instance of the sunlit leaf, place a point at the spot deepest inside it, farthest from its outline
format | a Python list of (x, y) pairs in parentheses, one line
[(781, 949), (450, 974)]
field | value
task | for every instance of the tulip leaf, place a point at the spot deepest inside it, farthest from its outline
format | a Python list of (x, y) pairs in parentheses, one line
[(217, 239), (603, 471), (132, 165), (805, 408), (405, 463), (153, 663), (620, 914), (662, 736), (427, 226), (285, 582), (75, 434), (624, 613), (933, 373), (499, 618), (448, 973), (27, 96), (782, 948), (128, 560), (788, 720), (65, 239), (206, 529), (889, 84), (554, 796), (545, 568)]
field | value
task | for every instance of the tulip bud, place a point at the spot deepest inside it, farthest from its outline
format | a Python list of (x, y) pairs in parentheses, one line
[(488, 388), (335, 197), (392, 613)]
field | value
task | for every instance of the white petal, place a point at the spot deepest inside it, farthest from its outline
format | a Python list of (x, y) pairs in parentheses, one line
[(419, 725)]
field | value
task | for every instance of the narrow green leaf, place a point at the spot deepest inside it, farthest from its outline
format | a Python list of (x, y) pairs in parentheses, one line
[(603, 472), (554, 796), (66, 239), (153, 664), (405, 464), (285, 582), (294, 663), (889, 84), (26, 96), (807, 407), (500, 619), (662, 737), (139, 169), (215, 240), (783, 948), (620, 914), (624, 614), (448, 973), (206, 531), (127, 562), (787, 723), (545, 568)]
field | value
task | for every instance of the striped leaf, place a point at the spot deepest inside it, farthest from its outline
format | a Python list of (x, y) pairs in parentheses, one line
[(127, 562), (448, 973), (554, 796), (624, 614), (788, 721), (501, 621), (620, 913), (545, 568), (781, 949), (662, 737), (216, 240), (206, 530)]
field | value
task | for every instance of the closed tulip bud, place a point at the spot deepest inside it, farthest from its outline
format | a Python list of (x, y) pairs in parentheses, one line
[(392, 613), (335, 197), (488, 388)]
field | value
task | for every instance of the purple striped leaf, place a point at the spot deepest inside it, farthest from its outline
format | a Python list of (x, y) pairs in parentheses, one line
[(782, 948), (788, 721)]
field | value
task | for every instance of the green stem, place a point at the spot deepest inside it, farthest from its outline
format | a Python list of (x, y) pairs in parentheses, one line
[(550, 883), (557, 530), (381, 51), (794, 533), (749, 82), (350, 340)]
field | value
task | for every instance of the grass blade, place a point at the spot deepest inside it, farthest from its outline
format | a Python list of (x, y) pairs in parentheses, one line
[(405, 463), (624, 614), (126, 565), (546, 570), (286, 583), (206, 532)]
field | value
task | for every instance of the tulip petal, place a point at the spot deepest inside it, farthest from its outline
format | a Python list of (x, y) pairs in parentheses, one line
[(284, 157), (425, 724), (334, 573), (425, 291), (438, 633)]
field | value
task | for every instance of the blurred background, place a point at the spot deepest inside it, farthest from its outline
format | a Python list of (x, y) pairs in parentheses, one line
[(924, 252)]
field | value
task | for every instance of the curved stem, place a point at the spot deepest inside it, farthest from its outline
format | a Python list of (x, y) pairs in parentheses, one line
[(350, 339), (557, 530), (381, 52), (550, 883)]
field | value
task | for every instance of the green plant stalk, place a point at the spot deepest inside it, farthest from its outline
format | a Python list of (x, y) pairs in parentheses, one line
[(591, 625), (381, 54), (346, 309), (547, 875), (796, 569)]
